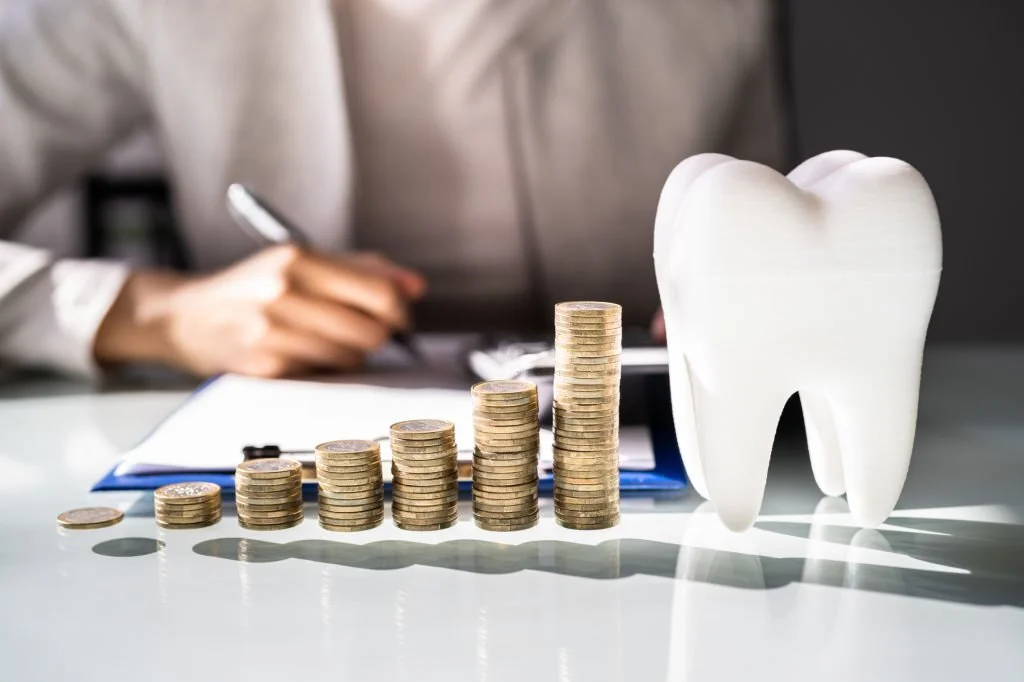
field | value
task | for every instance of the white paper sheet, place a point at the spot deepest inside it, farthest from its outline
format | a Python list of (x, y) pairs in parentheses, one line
[(208, 432)]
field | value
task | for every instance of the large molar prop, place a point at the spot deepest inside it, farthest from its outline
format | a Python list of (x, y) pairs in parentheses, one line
[(821, 282)]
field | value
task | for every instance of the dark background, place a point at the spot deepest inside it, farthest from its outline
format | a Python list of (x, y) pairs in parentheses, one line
[(939, 84)]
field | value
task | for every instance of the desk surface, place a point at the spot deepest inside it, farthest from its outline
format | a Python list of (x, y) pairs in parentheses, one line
[(936, 594)]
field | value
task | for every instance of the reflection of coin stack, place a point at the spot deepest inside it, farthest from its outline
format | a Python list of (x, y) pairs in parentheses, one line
[(187, 505), (425, 486), (588, 345), (351, 485), (507, 433), (268, 494)]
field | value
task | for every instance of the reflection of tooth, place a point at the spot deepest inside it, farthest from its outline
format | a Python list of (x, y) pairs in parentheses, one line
[(718, 573), (821, 283)]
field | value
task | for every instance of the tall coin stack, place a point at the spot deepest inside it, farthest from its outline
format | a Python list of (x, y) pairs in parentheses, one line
[(187, 505), (268, 494), (588, 347), (507, 436), (351, 486), (424, 484)]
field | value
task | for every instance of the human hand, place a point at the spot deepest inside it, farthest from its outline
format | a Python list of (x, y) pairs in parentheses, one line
[(281, 311)]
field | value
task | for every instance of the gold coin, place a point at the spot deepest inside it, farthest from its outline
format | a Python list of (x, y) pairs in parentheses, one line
[(88, 518), (423, 482), (187, 526), (352, 482), (595, 468), (424, 519), (504, 388), (348, 447), (587, 516), (246, 509), (481, 469), (588, 343), (257, 499), (520, 431), (261, 520), (407, 469), (347, 470), (273, 486), (424, 502), (607, 427), (598, 484), (504, 527), (529, 502), (486, 450), (342, 499), (506, 417), (529, 413), (508, 406), (584, 496), (418, 429), (269, 526), (326, 489), (344, 528), (428, 527), (186, 493), (597, 506), (522, 516), (360, 518), (258, 468), (576, 525), (422, 447), (279, 516), (503, 489), (523, 509), (588, 308), (421, 514), (505, 497), (448, 491), (202, 506), (398, 488), (351, 508)]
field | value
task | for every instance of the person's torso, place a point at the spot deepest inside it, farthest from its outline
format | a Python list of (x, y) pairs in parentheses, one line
[(512, 151)]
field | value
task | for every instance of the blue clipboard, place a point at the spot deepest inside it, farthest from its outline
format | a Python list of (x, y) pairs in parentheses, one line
[(668, 474)]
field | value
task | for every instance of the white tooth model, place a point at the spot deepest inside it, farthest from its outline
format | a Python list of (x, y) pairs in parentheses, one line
[(821, 282)]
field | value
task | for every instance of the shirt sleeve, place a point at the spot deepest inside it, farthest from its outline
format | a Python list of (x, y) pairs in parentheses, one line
[(50, 310)]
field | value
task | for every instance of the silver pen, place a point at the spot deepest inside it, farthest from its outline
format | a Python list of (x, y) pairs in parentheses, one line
[(266, 225)]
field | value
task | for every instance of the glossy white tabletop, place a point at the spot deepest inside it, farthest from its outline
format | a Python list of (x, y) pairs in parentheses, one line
[(936, 594)]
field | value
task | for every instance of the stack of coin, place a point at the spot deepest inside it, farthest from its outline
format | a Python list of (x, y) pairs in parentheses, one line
[(187, 505), (268, 494), (507, 437), (351, 485), (424, 485), (588, 347)]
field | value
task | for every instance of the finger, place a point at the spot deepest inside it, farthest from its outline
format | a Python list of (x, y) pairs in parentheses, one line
[(330, 321), (658, 326), (308, 349), (411, 284), (374, 294)]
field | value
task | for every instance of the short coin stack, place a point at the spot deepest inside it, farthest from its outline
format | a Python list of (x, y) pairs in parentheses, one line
[(588, 347), (351, 486), (425, 486), (187, 505), (507, 438), (268, 494)]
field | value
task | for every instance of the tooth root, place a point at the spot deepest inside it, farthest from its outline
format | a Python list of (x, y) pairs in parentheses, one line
[(876, 417), (823, 443), (682, 418), (735, 430)]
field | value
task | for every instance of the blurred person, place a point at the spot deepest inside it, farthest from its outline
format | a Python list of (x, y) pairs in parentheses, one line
[(507, 153)]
